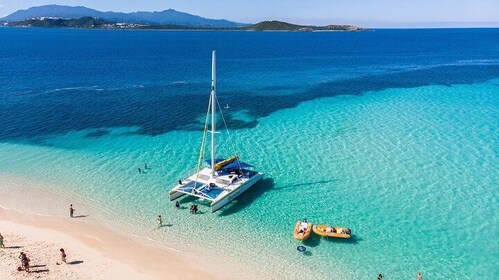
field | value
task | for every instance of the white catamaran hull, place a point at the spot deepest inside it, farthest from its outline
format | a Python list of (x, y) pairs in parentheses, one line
[(174, 195), (232, 195)]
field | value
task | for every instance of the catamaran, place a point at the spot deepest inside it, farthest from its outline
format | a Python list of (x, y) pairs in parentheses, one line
[(223, 179)]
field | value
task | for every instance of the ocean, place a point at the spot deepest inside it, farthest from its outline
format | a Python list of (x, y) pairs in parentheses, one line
[(392, 133)]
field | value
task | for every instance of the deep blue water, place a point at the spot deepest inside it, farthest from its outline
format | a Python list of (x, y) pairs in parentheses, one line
[(54, 81)]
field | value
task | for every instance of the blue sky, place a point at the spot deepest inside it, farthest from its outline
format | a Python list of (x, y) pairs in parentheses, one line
[(373, 13)]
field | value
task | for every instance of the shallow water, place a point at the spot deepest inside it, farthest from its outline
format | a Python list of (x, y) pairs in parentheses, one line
[(391, 133)]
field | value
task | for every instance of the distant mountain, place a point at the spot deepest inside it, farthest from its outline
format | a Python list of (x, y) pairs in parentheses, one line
[(274, 25), (167, 17)]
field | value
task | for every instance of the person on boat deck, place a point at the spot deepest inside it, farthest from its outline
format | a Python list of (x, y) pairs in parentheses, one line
[(333, 230)]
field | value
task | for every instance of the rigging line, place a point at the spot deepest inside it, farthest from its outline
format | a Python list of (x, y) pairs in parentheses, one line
[(201, 149), (234, 148)]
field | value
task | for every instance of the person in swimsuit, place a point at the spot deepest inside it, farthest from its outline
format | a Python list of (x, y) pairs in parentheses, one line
[(419, 276), (63, 255), (24, 261), (160, 221), (177, 205), (71, 211), (1, 242)]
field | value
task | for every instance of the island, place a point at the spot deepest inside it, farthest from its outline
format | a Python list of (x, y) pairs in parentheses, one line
[(274, 25)]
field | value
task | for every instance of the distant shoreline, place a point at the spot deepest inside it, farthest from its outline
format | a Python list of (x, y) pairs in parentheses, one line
[(98, 23)]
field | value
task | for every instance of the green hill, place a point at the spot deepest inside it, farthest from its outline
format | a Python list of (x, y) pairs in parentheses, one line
[(84, 22), (275, 25)]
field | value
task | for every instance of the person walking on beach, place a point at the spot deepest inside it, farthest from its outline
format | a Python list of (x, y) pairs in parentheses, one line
[(71, 211), (24, 261), (63, 255), (22, 256), (160, 221), (419, 276), (1, 242), (26, 264)]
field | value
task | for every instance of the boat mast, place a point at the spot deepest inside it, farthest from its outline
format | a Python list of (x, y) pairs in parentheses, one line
[(213, 101)]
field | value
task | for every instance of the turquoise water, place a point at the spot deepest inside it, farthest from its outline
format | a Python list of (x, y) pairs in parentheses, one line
[(402, 151)]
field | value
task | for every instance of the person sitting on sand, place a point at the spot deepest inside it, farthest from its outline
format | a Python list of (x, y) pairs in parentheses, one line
[(63, 255), (71, 211), (160, 221), (1, 242)]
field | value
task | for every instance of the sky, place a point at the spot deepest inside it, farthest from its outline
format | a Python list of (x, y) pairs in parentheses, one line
[(372, 13)]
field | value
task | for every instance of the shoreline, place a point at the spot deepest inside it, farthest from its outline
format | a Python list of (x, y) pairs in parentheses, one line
[(138, 256), (109, 253)]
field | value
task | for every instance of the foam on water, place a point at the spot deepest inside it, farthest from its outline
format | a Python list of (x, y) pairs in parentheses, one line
[(410, 171)]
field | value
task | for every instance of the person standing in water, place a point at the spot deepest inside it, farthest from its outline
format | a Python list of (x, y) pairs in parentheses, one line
[(177, 204), (419, 276), (71, 211), (160, 221), (140, 171), (1, 242), (145, 166), (380, 277)]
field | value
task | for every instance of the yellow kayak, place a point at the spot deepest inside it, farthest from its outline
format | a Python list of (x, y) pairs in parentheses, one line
[(302, 230), (330, 231)]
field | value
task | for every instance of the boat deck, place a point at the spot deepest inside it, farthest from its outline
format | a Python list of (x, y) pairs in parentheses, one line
[(203, 186)]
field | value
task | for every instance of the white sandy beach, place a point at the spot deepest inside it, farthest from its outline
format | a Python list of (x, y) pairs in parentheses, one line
[(94, 251)]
